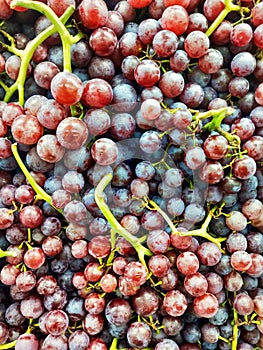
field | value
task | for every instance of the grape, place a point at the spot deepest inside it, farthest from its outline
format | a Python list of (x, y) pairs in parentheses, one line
[(256, 12), (253, 147), (52, 245), (32, 306), (139, 4), (254, 241), (65, 84), (128, 66), (55, 300), (27, 129), (103, 41), (97, 93), (147, 73), (27, 340), (241, 34), (197, 21), (167, 344), (46, 285), (118, 311), (165, 43), (196, 44), (126, 288), (56, 322), (256, 267), (44, 73), (171, 84), (241, 260), (175, 303), (243, 128), (215, 147), (179, 61), (159, 265), (182, 80), (213, 8), (108, 283), (150, 142), (124, 98), (208, 253), (99, 247), (258, 305), (130, 44), (211, 172), (182, 117), (72, 133), (3, 332), (139, 335), (93, 15), (215, 282), (239, 64), (192, 95), (55, 342), (140, 304), (135, 273), (115, 22), (12, 66), (211, 61), (78, 340), (206, 305), (26, 281), (233, 281), (147, 30), (258, 36), (122, 126), (196, 284), (104, 151), (49, 149), (51, 114), (172, 325), (34, 258), (243, 304), (238, 86), (195, 157), (187, 263), (175, 18), (6, 11)]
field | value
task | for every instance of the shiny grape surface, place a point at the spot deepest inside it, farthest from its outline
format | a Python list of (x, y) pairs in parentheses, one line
[(131, 181)]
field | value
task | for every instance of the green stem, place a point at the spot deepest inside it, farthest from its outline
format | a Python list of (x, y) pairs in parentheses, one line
[(156, 207), (114, 344), (201, 232), (4, 86), (27, 54), (219, 19), (8, 345), (65, 36), (99, 198), (215, 124), (40, 193), (235, 332), (11, 48), (6, 253), (29, 235)]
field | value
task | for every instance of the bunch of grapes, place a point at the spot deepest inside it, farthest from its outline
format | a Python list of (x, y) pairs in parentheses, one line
[(131, 180)]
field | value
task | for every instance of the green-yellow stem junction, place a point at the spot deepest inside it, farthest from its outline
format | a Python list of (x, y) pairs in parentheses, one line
[(58, 25), (229, 7), (201, 232), (40, 193), (115, 225)]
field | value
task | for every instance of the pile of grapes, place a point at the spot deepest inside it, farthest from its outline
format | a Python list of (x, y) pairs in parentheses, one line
[(131, 180)]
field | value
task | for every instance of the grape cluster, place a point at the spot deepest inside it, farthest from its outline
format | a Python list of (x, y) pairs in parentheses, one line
[(131, 180)]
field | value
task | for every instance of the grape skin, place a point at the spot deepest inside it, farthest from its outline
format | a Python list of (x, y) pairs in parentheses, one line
[(142, 91)]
